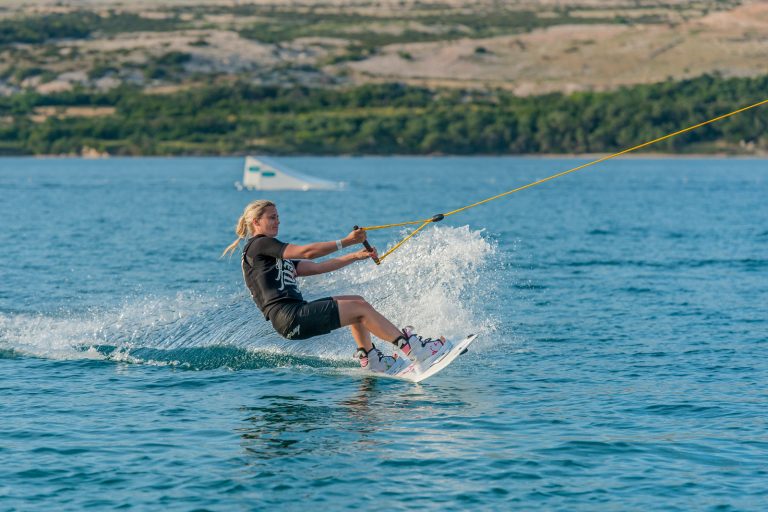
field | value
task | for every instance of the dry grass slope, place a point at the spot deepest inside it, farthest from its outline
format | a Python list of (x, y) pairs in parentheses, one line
[(585, 57), (621, 42)]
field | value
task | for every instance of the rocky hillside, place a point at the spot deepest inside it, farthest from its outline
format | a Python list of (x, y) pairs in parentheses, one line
[(523, 46)]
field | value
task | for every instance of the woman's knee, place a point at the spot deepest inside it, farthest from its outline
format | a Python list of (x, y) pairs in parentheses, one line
[(362, 306), (353, 310), (354, 302)]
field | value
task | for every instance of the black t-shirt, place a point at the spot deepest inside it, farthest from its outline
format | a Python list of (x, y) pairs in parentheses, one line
[(270, 278)]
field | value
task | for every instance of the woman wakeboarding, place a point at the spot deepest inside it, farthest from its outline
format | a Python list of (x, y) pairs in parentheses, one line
[(270, 268)]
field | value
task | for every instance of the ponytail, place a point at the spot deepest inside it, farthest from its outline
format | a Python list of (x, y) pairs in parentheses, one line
[(252, 212)]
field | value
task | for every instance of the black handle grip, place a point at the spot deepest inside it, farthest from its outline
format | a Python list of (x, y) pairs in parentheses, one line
[(369, 249)]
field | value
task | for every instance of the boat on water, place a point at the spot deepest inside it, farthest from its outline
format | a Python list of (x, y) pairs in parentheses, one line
[(265, 174)]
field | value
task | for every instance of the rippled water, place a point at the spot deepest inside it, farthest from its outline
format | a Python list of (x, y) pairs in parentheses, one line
[(622, 362)]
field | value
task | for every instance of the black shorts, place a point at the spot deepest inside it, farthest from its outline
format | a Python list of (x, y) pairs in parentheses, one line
[(302, 320)]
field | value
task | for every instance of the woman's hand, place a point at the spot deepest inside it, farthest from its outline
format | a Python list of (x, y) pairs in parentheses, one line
[(356, 236), (363, 254)]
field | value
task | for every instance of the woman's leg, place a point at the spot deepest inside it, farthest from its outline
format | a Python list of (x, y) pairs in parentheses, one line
[(362, 336), (363, 321)]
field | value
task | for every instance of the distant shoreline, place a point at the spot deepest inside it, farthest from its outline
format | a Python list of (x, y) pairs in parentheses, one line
[(654, 156), (547, 156), (388, 120)]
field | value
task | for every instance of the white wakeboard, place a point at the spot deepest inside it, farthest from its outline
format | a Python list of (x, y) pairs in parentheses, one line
[(416, 372)]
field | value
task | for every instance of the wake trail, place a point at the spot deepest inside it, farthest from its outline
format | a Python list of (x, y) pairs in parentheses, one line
[(441, 284)]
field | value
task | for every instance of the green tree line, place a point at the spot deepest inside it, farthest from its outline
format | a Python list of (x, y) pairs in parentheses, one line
[(77, 25), (240, 118)]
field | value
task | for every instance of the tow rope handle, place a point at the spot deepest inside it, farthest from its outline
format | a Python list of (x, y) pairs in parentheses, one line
[(435, 218), (369, 248)]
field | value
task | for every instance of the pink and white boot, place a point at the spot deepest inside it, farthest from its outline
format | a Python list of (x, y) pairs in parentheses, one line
[(424, 351), (375, 361)]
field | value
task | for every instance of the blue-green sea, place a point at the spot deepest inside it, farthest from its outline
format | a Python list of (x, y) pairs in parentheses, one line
[(622, 362)]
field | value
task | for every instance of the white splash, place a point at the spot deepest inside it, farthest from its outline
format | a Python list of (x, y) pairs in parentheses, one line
[(439, 282)]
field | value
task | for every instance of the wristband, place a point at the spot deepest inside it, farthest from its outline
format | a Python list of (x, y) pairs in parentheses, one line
[(338, 245)]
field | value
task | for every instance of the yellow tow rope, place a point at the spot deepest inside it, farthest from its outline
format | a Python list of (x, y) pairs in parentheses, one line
[(440, 216)]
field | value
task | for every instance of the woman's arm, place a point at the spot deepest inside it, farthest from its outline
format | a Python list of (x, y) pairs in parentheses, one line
[(310, 268), (320, 249)]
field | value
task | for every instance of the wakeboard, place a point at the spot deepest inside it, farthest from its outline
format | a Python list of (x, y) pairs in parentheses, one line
[(416, 372)]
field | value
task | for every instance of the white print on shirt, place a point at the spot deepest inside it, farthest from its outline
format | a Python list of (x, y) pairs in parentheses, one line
[(294, 332), (286, 273)]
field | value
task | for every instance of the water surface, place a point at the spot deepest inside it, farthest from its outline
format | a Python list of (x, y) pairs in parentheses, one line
[(621, 364)]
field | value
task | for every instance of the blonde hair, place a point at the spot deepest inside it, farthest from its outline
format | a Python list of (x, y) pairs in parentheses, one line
[(252, 212)]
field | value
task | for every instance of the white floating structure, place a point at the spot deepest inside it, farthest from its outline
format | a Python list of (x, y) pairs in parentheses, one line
[(265, 174)]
